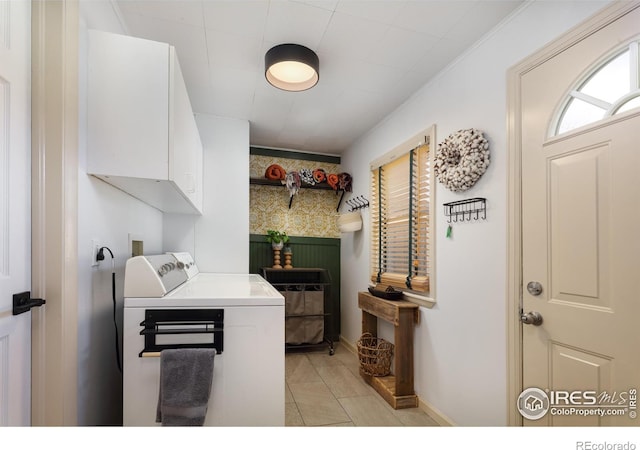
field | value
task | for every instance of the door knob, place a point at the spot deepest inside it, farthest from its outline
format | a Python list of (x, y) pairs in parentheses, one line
[(531, 318)]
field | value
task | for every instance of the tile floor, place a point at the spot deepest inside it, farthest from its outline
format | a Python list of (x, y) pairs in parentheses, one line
[(324, 390)]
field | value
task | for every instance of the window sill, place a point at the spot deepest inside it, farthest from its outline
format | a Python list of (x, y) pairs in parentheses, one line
[(420, 300)]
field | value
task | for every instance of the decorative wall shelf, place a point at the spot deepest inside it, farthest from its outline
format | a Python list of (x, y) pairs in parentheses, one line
[(267, 182), (277, 183)]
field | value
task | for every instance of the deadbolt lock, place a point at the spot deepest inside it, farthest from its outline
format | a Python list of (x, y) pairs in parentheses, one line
[(534, 288)]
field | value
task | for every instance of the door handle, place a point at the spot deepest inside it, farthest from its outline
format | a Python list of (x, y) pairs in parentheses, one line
[(23, 302), (531, 318)]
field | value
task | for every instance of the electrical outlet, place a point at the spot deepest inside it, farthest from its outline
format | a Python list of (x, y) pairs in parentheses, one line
[(95, 248), (136, 245)]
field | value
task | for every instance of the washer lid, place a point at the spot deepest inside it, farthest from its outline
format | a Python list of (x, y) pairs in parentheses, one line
[(248, 288), (216, 290)]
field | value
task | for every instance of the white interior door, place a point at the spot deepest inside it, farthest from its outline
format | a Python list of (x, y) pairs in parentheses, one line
[(580, 223), (15, 210)]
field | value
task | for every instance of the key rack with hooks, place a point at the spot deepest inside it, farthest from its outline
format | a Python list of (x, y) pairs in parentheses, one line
[(357, 203), (469, 209)]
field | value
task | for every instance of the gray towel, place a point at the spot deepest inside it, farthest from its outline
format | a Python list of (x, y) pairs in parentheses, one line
[(185, 386)]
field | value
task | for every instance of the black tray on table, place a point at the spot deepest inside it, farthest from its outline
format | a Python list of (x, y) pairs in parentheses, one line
[(387, 295)]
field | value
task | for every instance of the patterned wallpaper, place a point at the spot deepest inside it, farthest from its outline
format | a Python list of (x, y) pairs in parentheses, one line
[(313, 212)]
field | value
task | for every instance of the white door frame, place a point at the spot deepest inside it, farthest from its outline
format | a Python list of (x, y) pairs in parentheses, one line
[(54, 197), (514, 215)]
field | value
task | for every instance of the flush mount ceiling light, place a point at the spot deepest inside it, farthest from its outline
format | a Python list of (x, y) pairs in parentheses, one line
[(291, 67)]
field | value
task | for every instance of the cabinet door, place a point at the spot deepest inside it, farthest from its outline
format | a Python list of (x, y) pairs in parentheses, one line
[(185, 154), (128, 99)]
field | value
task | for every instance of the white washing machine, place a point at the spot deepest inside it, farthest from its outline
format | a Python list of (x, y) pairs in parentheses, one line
[(169, 304)]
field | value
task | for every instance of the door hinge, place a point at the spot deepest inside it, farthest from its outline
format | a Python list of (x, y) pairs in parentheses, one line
[(23, 302)]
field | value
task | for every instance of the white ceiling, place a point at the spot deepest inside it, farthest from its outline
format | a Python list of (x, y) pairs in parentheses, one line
[(373, 56)]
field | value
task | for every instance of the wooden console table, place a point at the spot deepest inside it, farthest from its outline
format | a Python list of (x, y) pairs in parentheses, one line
[(397, 388)]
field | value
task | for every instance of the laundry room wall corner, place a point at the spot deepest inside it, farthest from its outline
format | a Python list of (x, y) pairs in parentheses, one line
[(218, 239)]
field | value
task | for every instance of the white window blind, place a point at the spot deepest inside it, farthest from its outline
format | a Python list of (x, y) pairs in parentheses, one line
[(400, 221)]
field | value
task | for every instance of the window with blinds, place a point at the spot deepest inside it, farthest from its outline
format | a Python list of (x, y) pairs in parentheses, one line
[(400, 221)]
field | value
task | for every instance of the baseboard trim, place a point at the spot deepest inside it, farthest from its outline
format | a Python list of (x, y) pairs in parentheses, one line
[(435, 414), (426, 407), (348, 345)]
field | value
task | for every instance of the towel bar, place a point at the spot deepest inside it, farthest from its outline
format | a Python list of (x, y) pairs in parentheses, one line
[(172, 322), (144, 354)]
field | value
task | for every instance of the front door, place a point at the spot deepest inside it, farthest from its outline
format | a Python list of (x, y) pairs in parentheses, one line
[(581, 243), (15, 210)]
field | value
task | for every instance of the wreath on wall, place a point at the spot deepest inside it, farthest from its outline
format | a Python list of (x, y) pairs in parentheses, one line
[(461, 159)]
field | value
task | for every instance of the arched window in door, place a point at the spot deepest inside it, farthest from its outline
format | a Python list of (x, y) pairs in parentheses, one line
[(611, 87)]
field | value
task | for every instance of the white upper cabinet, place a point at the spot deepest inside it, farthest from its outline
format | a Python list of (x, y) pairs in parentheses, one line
[(142, 135)]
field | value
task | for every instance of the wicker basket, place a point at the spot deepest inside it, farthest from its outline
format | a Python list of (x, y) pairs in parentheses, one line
[(375, 355)]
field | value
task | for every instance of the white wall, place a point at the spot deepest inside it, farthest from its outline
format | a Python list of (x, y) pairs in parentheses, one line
[(460, 344), (219, 239), (109, 215)]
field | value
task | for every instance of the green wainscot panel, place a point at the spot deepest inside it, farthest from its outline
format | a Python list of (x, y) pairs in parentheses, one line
[(323, 253)]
